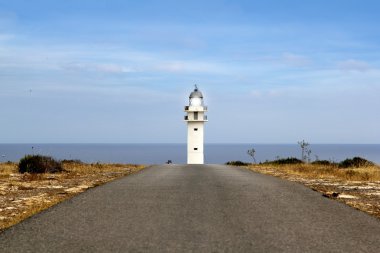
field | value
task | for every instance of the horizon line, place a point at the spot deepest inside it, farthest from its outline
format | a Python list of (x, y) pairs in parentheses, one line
[(184, 143)]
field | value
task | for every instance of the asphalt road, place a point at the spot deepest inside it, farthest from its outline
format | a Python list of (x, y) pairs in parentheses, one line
[(202, 208)]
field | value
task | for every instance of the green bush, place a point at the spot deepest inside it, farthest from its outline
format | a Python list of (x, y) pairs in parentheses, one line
[(39, 164), (323, 162), (289, 160), (355, 162), (237, 163)]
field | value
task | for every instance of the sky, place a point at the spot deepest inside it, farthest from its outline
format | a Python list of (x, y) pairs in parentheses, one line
[(121, 71)]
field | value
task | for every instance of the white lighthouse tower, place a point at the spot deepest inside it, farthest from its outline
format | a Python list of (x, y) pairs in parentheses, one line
[(195, 123)]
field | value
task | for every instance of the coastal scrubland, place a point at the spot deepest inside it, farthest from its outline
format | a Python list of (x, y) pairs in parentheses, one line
[(25, 194), (353, 182)]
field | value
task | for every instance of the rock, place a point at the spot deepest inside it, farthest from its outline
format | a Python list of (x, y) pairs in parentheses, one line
[(346, 196), (74, 190), (373, 193), (331, 194), (29, 202), (51, 187), (84, 186)]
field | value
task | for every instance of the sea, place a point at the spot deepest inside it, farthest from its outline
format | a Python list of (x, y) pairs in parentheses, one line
[(161, 153)]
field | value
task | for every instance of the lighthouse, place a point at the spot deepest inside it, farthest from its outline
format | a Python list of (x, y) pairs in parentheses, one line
[(195, 119)]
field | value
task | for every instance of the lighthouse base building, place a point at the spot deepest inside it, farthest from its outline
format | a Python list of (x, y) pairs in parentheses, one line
[(195, 119)]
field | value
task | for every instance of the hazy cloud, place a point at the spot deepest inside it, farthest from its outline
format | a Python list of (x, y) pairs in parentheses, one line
[(188, 66), (6, 37), (98, 67), (354, 65), (270, 93), (295, 60)]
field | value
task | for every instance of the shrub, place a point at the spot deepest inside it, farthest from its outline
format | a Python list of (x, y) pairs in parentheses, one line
[(323, 162), (355, 162), (72, 161), (237, 163), (289, 160), (39, 164)]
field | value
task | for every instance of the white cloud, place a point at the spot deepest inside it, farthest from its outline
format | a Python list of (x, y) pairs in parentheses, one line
[(101, 60), (6, 37), (113, 68), (98, 67), (256, 94), (267, 93), (188, 66), (295, 60), (354, 65), (171, 66)]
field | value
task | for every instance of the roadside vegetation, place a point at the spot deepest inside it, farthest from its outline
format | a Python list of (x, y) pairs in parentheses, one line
[(354, 181), (39, 164), (324, 170), (39, 182), (355, 169)]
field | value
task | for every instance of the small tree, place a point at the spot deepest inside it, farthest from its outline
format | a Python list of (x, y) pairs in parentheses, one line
[(305, 151), (251, 152)]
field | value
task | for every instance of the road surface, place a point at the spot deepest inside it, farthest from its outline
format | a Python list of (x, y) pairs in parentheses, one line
[(196, 208)]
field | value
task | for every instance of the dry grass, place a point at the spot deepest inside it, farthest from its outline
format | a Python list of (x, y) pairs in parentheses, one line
[(37, 207), (357, 187), (311, 171), (22, 195), (7, 168), (84, 168)]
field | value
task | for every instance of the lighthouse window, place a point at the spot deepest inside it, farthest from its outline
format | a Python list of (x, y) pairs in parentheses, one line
[(195, 115), (195, 129), (195, 148)]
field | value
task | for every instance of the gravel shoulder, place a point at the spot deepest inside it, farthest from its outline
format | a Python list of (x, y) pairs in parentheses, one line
[(361, 192), (23, 195)]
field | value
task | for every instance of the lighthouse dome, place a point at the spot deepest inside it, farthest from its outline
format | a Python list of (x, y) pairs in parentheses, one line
[(196, 97), (196, 93)]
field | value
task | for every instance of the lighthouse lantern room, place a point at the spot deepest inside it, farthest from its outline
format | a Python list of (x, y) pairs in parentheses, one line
[(195, 119)]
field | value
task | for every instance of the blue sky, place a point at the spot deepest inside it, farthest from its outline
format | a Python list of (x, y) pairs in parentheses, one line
[(121, 71)]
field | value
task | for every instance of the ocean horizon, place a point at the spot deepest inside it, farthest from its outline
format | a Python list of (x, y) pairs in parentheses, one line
[(159, 153)]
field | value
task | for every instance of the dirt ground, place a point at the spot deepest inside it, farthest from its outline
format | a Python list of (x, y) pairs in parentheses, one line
[(22, 195), (361, 192)]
